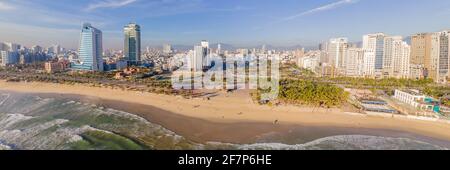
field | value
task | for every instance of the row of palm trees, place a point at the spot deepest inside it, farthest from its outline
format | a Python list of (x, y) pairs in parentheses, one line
[(311, 93)]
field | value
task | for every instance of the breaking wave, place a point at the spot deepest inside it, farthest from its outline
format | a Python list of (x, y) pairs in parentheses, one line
[(33, 123), (348, 142)]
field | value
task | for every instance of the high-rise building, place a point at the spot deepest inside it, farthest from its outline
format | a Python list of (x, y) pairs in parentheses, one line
[(431, 64), (90, 51), (420, 51), (323, 46), (444, 57), (13, 47), (337, 48), (219, 49), (167, 49), (354, 62), (54, 49), (8, 57), (390, 49), (3, 47), (132, 45), (206, 53), (36, 49), (3, 57), (404, 69), (375, 42), (398, 53), (369, 63), (425, 54), (204, 44), (198, 58)]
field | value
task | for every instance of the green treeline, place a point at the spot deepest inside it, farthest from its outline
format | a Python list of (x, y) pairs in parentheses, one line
[(311, 93)]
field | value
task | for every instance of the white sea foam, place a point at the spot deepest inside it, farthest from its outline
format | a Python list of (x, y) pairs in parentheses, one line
[(4, 147), (8, 120), (57, 134), (347, 142), (4, 98)]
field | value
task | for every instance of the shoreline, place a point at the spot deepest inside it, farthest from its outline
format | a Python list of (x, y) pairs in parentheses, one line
[(233, 118)]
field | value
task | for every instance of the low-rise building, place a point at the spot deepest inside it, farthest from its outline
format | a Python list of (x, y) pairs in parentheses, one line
[(58, 66), (417, 100), (411, 97)]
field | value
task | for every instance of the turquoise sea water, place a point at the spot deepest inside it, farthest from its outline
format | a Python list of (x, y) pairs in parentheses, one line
[(30, 122)]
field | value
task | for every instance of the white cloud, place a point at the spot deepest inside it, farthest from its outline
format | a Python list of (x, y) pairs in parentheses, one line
[(326, 7), (109, 4), (6, 7)]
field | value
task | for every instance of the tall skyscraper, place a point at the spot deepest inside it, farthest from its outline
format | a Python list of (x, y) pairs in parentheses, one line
[(425, 55), (375, 42), (8, 57), (36, 49), (369, 63), (392, 55), (337, 49), (198, 58), (397, 57), (431, 64), (354, 62), (13, 47), (3, 57), (132, 45), (444, 57), (204, 44), (90, 51), (219, 49), (206, 53)]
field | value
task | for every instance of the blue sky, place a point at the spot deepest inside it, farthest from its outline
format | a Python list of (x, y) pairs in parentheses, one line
[(237, 22)]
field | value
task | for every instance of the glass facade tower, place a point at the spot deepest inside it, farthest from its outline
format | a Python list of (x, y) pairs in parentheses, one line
[(132, 44), (90, 51)]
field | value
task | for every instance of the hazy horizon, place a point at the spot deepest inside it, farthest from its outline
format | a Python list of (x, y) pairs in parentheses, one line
[(239, 23)]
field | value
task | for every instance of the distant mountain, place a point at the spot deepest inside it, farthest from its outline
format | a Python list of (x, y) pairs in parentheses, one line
[(182, 47), (278, 48), (230, 47), (222, 46)]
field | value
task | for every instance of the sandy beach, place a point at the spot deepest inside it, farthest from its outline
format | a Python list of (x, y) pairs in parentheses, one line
[(228, 117)]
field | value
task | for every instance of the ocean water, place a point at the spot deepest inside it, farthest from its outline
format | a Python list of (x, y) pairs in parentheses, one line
[(29, 122)]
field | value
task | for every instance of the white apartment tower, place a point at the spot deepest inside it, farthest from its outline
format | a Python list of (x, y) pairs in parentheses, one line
[(354, 62), (375, 42), (396, 57), (369, 63), (400, 59), (444, 57), (337, 47), (391, 51)]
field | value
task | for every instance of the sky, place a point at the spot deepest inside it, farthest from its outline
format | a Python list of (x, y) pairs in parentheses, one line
[(242, 23)]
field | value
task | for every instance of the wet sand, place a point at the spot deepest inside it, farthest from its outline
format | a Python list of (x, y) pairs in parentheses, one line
[(202, 131), (220, 119)]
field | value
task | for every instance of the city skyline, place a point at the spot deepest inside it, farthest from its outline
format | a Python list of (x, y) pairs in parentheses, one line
[(240, 23)]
